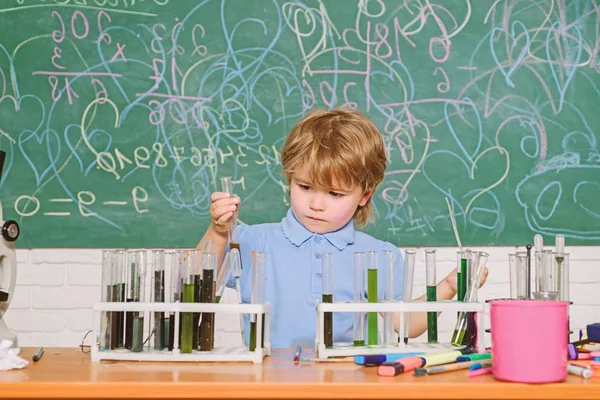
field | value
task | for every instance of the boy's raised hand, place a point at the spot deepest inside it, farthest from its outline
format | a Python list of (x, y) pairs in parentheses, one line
[(222, 208)]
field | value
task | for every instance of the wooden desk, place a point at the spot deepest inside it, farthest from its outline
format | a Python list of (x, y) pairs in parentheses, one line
[(67, 373)]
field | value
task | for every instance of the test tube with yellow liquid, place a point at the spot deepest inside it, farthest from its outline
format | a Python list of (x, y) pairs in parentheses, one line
[(189, 273), (432, 330), (372, 296), (327, 296)]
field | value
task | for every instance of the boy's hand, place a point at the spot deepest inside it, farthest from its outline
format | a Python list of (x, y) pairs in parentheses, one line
[(222, 208), (453, 285)]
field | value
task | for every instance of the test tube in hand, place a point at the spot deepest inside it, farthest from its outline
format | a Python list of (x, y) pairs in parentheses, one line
[(432, 331), (234, 242)]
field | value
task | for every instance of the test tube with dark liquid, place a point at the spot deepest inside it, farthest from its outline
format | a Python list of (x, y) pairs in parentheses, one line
[(158, 296), (234, 241), (189, 274), (387, 283), (257, 296), (136, 284), (360, 261), (106, 296), (207, 340), (372, 296), (118, 296), (407, 285), (432, 331), (195, 257), (327, 279)]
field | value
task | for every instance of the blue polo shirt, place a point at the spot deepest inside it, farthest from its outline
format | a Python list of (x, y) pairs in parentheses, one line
[(293, 277)]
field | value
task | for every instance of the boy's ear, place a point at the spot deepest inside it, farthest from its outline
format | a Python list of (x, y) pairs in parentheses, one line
[(365, 198)]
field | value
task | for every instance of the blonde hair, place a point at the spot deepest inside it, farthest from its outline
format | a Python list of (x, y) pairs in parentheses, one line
[(342, 145)]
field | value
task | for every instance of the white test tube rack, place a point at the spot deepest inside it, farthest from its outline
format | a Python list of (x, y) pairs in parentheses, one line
[(217, 354), (347, 349)]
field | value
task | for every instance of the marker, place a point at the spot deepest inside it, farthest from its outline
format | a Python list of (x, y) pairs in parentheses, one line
[(477, 372), (440, 369), (447, 357), (38, 354), (371, 360), (578, 370), (474, 356), (297, 354), (397, 367)]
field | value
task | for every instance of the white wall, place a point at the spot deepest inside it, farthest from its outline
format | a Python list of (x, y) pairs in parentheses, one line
[(57, 287)]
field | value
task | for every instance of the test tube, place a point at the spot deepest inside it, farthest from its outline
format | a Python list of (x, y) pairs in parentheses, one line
[(106, 296), (118, 296), (174, 261), (461, 275), (189, 272), (223, 275), (407, 285), (387, 274), (547, 288), (359, 297), (137, 272), (236, 271), (207, 339), (327, 277), (432, 331), (372, 296), (158, 296), (522, 260), (234, 242), (259, 261), (559, 258), (538, 243)]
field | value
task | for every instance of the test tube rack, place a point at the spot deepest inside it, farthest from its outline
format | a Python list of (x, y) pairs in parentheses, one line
[(348, 349), (217, 354)]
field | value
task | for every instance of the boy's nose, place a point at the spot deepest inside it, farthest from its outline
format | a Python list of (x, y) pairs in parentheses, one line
[(317, 203)]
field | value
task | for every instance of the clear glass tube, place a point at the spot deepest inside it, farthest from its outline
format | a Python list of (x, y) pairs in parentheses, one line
[(227, 187), (158, 296), (136, 284), (174, 268), (564, 275), (546, 278), (372, 296), (207, 326), (327, 296), (118, 295), (106, 296), (512, 271), (407, 285), (387, 274), (522, 261), (430, 278), (236, 270), (257, 294), (360, 262), (223, 275)]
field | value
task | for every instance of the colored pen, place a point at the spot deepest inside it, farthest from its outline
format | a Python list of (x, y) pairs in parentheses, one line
[(477, 372), (297, 354), (578, 370), (397, 367), (371, 360), (440, 369), (447, 357), (473, 357), (38, 354)]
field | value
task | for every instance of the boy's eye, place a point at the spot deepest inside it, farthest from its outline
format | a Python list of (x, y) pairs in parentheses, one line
[(304, 187), (336, 194)]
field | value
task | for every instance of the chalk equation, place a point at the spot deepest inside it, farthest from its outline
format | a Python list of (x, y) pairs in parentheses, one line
[(116, 112)]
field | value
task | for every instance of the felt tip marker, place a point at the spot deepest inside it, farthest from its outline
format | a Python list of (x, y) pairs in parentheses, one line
[(378, 359)]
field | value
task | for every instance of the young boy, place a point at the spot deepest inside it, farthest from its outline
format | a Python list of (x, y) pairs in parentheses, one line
[(333, 162)]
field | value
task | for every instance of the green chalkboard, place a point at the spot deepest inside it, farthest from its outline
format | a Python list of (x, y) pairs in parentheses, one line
[(119, 116)]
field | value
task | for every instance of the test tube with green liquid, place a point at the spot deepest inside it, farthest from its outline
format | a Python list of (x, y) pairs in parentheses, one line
[(207, 340), (372, 296), (158, 296), (259, 266), (432, 331), (360, 261), (407, 285), (327, 277), (136, 293), (118, 295), (461, 275), (106, 296), (189, 273), (387, 275)]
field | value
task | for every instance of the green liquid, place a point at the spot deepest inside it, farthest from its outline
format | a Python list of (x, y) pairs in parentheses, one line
[(252, 342), (432, 331), (187, 318), (197, 299), (159, 317), (328, 324), (217, 299), (372, 338), (138, 334), (359, 343), (461, 280)]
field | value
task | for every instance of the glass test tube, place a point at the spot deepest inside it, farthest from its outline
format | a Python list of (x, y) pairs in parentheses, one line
[(236, 271), (118, 295), (407, 285), (559, 259), (137, 272), (174, 262), (106, 296), (158, 296), (522, 261), (360, 260), (432, 331), (259, 263), (387, 275), (223, 275), (234, 242), (372, 296), (196, 257), (327, 296), (207, 338), (547, 288), (461, 275), (189, 274)]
